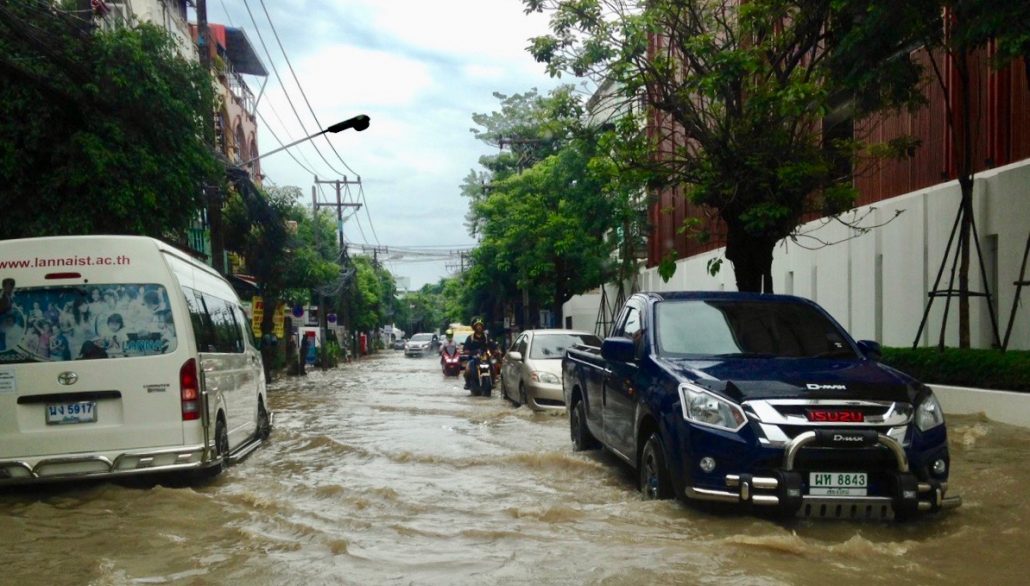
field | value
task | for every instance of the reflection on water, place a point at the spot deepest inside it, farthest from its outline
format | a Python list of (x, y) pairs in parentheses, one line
[(384, 472)]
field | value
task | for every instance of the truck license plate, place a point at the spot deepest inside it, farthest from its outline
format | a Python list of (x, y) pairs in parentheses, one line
[(78, 412), (838, 483)]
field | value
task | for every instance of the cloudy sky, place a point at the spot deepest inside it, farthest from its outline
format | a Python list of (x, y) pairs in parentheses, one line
[(420, 70)]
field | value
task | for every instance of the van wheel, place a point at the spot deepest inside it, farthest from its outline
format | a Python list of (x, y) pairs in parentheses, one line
[(654, 474), (222, 443), (582, 439), (264, 426)]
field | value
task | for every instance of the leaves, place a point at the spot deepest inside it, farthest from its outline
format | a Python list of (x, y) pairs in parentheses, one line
[(100, 132)]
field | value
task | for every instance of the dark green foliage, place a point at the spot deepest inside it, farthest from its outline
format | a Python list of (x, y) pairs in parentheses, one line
[(100, 132), (988, 369)]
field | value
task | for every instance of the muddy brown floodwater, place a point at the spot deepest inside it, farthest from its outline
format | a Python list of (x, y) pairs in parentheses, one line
[(384, 472)]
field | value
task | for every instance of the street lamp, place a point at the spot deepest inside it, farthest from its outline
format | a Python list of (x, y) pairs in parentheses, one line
[(358, 123)]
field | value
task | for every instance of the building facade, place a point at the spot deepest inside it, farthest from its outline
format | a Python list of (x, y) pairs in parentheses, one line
[(876, 282)]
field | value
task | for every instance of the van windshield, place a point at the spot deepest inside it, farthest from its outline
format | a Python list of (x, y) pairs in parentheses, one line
[(81, 322)]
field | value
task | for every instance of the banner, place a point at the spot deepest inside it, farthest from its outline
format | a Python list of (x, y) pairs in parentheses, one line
[(257, 310)]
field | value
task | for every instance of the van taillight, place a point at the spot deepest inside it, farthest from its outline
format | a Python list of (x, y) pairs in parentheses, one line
[(189, 389)]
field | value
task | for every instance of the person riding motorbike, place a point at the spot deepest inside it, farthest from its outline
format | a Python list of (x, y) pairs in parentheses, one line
[(475, 344), (449, 346)]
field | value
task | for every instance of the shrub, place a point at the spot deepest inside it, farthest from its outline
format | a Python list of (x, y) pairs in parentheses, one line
[(987, 369)]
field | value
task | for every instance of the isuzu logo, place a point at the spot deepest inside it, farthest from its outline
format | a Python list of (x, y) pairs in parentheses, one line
[(67, 378), (818, 387)]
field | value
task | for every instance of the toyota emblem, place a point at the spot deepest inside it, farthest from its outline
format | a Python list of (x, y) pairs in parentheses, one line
[(67, 378)]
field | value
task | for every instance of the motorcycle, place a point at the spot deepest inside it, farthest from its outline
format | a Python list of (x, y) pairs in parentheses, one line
[(482, 377), (450, 361)]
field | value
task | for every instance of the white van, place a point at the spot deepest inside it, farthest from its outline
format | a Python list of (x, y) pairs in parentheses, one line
[(121, 355)]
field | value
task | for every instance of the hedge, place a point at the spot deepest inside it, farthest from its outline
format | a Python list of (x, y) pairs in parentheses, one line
[(985, 369)]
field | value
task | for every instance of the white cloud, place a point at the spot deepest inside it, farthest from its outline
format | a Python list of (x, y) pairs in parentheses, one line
[(420, 70)]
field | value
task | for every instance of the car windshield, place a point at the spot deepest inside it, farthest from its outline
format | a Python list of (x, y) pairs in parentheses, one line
[(422, 337), (55, 324), (553, 346), (733, 328)]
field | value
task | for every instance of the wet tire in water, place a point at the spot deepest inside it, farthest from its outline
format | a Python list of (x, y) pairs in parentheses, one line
[(222, 444), (264, 426), (655, 483), (582, 439), (523, 398)]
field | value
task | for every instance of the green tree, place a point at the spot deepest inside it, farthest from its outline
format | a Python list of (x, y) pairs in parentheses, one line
[(739, 90), (99, 132), (546, 209)]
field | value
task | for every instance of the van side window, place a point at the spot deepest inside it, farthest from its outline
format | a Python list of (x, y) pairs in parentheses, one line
[(228, 337), (215, 326), (245, 323)]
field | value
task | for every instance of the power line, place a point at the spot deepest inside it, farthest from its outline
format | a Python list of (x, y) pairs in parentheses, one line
[(282, 86), (265, 124), (300, 87)]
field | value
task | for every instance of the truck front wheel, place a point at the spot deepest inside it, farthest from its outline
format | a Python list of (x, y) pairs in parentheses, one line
[(582, 439), (654, 474)]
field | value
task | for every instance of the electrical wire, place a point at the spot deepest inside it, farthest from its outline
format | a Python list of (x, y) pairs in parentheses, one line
[(300, 87), (282, 86)]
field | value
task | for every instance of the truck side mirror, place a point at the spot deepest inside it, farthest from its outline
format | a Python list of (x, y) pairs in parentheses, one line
[(870, 349), (515, 356), (618, 349)]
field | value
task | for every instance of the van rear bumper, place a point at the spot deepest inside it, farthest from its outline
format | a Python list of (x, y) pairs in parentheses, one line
[(107, 465)]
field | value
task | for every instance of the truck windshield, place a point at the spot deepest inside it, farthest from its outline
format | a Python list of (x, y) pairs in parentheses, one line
[(54, 324), (747, 329)]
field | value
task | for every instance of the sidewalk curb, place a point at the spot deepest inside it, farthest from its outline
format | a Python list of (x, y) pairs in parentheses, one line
[(1004, 406)]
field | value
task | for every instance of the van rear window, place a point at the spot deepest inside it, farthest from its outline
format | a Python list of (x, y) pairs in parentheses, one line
[(81, 322)]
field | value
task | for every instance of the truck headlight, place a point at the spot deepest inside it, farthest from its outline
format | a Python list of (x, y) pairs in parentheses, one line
[(929, 414), (701, 406), (545, 377)]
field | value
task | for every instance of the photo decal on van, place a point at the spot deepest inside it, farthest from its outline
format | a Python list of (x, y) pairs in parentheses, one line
[(81, 322)]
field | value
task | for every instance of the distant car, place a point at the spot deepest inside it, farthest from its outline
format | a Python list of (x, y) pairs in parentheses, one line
[(398, 344), (531, 369), (419, 345)]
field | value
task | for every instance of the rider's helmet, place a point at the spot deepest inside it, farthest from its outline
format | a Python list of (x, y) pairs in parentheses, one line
[(478, 323), (449, 334)]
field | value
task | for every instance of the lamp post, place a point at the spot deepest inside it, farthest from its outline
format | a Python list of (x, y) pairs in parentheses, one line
[(358, 123)]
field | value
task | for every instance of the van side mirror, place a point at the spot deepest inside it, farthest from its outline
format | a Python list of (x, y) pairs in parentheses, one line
[(618, 350), (515, 356), (870, 349)]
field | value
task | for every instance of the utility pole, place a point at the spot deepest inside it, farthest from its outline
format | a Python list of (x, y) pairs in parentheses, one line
[(339, 205), (212, 195)]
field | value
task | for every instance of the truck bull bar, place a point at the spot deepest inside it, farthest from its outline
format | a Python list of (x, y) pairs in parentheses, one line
[(782, 489)]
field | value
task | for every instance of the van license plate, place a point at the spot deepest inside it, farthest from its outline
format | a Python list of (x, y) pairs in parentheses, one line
[(838, 483), (78, 412)]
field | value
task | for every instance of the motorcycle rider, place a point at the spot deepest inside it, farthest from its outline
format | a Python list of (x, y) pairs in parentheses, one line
[(476, 343), (449, 346)]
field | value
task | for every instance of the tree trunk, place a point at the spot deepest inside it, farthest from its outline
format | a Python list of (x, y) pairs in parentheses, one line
[(752, 259)]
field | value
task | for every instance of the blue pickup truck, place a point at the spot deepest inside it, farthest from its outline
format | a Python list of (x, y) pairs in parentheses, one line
[(759, 400)]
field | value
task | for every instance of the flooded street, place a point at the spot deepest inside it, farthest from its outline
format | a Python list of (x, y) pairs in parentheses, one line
[(384, 472)]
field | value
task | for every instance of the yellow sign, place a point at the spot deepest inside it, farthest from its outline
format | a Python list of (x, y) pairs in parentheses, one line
[(257, 311), (280, 321), (258, 316)]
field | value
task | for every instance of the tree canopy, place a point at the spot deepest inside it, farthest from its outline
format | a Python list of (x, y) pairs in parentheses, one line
[(739, 91), (102, 129), (546, 210)]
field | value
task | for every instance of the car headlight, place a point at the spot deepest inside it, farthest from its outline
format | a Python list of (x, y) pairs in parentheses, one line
[(545, 377), (701, 406), (929, 414)]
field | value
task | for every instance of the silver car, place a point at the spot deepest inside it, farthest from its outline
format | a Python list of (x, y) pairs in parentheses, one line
[(419, 345), (531, 369)]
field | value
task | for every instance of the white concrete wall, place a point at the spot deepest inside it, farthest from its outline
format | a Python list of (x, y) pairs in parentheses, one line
[(166, 17), (876, 283)]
